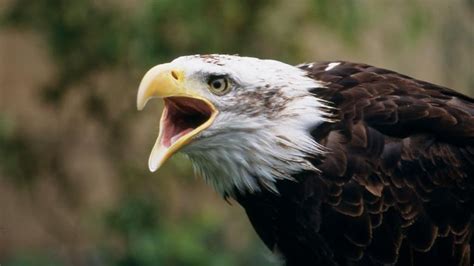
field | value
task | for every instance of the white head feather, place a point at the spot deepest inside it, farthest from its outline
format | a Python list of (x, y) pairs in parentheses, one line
[(262, 131)]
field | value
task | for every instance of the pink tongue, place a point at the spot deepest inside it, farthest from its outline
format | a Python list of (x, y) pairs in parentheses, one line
[(180, 134)]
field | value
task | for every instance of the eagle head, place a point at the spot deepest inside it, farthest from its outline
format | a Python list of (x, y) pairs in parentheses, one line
[(243, 122)]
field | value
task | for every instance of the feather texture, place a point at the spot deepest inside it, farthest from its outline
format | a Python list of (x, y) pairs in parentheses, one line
[(395, 188)]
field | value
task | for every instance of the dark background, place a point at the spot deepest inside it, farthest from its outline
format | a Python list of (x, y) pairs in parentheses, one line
[(74, 184)]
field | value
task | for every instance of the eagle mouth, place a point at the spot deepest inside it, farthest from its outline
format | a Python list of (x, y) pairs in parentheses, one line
[(186, 111), (182, 118)]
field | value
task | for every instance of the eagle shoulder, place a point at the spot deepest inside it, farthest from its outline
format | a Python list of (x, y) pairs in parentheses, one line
[(398, 177)]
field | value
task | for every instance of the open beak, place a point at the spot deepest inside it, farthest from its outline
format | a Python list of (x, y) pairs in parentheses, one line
[(186, 112)]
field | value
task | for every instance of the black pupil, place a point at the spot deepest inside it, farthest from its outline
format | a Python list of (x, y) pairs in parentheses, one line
[(217, 84)]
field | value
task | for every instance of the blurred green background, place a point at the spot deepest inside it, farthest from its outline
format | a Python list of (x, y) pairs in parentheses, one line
[(74, 184)]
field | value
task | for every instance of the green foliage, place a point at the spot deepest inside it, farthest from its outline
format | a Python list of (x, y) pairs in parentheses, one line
[(85, 37), (81, 36), (13, 151), (151, 240), (342, 16), (33, 259)]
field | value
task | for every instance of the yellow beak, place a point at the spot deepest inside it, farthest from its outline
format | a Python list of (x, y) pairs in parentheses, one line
[(163, 81)]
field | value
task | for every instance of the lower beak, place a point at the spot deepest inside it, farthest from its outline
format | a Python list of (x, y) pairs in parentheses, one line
[(163, 81)]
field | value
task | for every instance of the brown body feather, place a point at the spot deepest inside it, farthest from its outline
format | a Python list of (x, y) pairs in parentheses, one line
[(397, 186)]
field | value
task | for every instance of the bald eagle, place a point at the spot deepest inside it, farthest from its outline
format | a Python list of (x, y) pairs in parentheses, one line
[(335, 163)]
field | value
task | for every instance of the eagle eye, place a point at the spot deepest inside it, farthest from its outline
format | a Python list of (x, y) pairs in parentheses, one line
[(219, 85)]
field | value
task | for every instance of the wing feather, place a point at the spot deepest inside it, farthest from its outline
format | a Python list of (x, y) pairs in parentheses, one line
[(402, 160)]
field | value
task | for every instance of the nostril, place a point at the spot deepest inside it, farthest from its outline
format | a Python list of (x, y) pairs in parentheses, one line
[(174, 74)]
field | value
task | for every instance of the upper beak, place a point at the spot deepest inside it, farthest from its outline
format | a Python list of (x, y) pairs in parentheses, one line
[(163, 81)]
